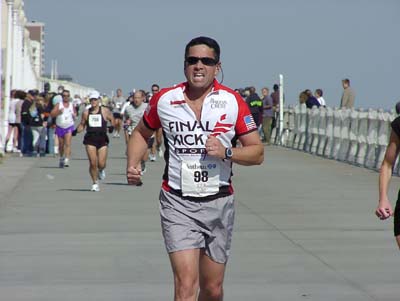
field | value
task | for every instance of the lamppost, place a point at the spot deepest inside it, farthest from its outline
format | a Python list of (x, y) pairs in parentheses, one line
[(8, 70)]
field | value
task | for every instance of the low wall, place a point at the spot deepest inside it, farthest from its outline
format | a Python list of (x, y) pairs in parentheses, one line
[(354, 136)]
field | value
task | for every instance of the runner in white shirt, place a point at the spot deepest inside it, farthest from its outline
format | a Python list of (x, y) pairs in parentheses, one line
[(133, 112), (201, 120), (65, 115)]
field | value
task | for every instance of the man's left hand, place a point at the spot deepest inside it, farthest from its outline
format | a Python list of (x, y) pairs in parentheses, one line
[(214, 147)]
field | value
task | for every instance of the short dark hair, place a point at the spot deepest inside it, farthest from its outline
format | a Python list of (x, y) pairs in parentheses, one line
[(204, 41), (276, 87), (320, 92), (347, 81), (155, 86)]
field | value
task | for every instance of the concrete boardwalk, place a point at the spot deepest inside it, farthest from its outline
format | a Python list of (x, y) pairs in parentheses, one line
[(305, 230)]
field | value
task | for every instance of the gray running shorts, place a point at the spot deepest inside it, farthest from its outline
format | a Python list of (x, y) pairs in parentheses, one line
[(196, 225)]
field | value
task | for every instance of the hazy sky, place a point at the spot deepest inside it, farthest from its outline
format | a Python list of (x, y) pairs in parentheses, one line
[(313, 43)]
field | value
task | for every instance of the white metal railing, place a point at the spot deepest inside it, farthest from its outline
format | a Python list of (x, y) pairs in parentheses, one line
[(354, 136)]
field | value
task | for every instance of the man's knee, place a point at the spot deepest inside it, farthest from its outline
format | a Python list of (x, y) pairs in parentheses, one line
[(185, 287), (213, 291)]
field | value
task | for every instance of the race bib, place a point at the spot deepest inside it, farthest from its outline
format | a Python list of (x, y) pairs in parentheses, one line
[(95, 120), (200, 178)]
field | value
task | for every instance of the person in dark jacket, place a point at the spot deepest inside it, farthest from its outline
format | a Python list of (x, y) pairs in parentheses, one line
[(311, 100), (256, 105), (26, 122)]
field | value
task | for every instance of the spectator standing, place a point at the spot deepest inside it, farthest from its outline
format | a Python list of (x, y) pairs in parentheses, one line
[(26, 121), (20, 95), (38, 126), (319, 95), (311, 100), (268, 115), (12, 123), (275, 100), (255, 104), (348, 96)]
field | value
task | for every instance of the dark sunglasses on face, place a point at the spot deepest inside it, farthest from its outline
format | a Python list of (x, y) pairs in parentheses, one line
[(208, 61)]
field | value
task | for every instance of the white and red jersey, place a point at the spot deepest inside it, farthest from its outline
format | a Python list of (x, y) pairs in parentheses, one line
[(224, 114)]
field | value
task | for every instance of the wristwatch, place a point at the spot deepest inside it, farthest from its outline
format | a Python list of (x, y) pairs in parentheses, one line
[(228, 153)]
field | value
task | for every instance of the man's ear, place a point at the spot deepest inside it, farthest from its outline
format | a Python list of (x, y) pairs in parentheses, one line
[(218, 69)]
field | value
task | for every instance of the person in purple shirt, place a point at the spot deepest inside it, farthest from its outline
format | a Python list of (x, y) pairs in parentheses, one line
[(311, 100)]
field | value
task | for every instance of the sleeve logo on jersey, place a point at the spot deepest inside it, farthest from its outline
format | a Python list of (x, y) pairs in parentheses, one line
[(221, 127), (249, 121)]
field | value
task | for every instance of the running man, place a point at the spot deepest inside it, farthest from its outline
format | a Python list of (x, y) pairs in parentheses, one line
[(385, 209), (65, 114), (156, 147), (201, 120), (116, 104), (96, 140), (133, 113)]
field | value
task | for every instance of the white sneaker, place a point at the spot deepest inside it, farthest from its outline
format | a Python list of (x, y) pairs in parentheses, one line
[(102, 174), (66, 162), (160, 152), (152, 157), (95, 187)]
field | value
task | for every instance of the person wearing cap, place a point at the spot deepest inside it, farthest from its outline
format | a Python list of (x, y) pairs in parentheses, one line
[(64, 114), (95, 119)]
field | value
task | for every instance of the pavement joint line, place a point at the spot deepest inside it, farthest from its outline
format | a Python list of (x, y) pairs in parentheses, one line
[(350, 282)]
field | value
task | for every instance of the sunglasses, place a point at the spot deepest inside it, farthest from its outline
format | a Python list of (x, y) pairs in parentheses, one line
[(208, 61)]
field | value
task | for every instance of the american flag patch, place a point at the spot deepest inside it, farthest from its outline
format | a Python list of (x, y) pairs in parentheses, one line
[(249, 121)]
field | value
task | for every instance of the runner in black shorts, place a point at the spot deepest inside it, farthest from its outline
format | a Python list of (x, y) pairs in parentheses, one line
[(384, 209), (96, 140)]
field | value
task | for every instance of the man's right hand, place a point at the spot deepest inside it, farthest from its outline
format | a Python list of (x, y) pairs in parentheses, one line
[(133, 176), (384, 210)]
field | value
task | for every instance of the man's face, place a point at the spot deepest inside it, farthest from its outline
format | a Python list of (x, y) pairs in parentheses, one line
[(198, 74), (138, 99), (119, 93), (264, 92)]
